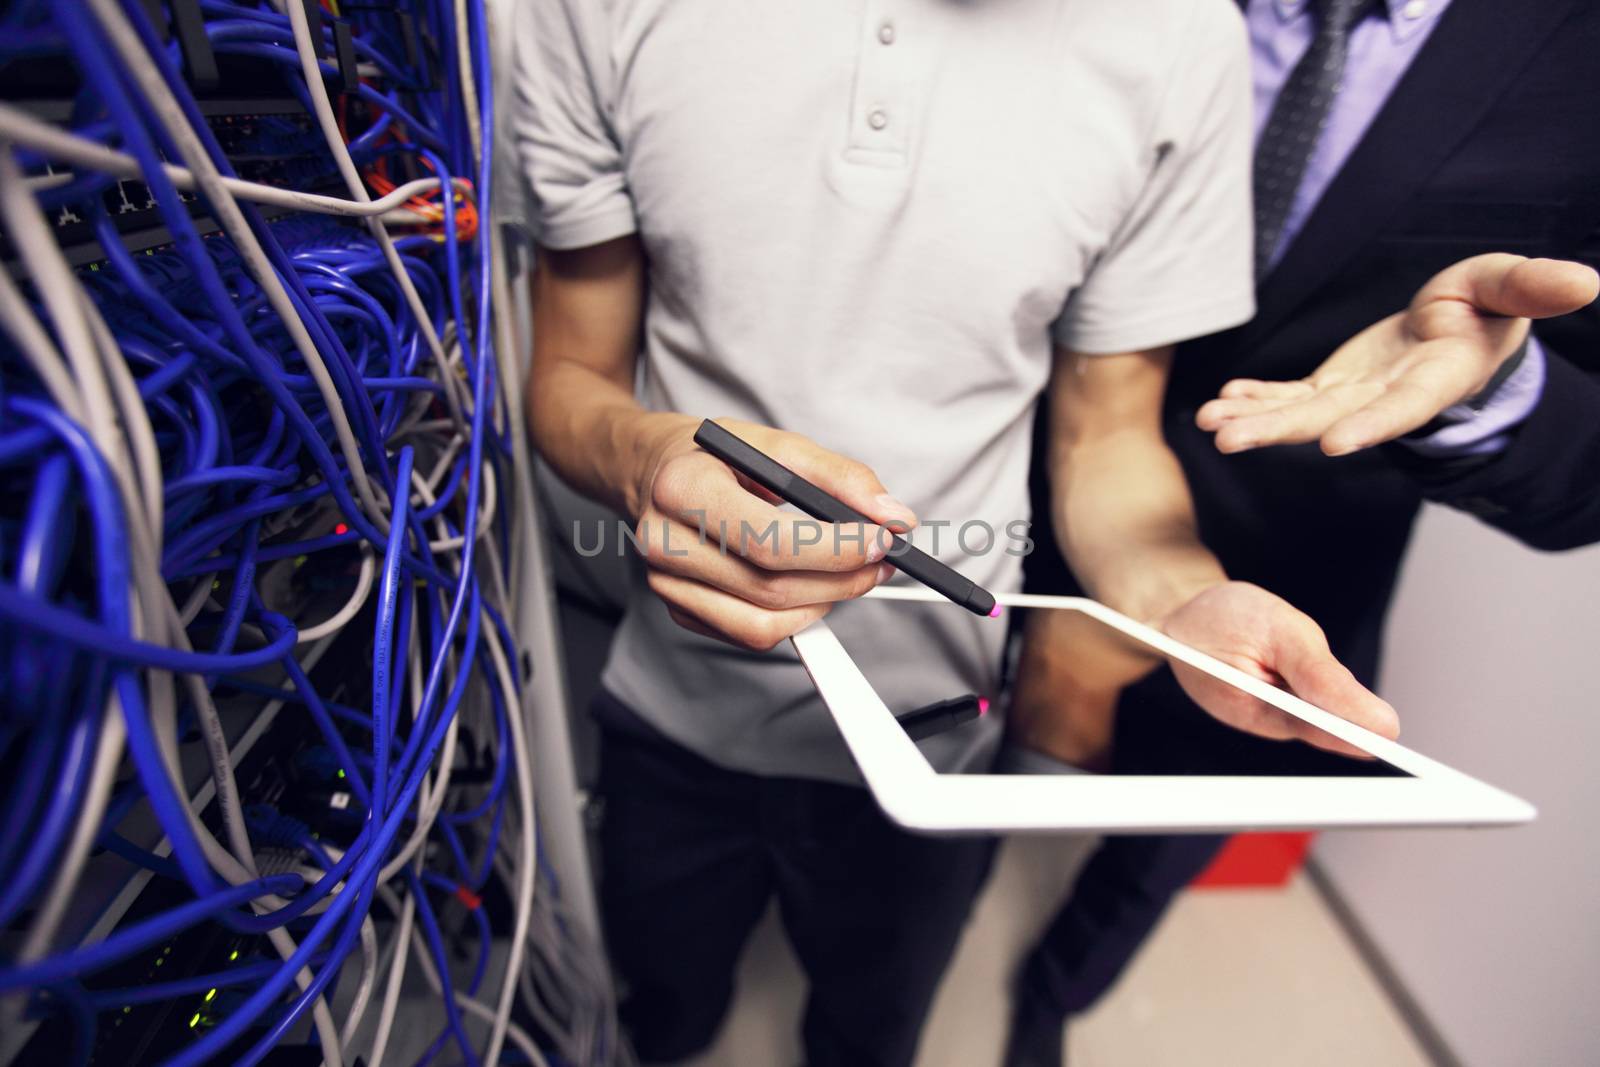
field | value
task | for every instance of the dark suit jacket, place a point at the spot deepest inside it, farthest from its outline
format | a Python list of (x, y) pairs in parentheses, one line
[(1491, 142)]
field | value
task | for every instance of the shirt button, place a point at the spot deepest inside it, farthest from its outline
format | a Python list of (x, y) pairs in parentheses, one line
[(1415, 9), (886, 32), (878, 118)]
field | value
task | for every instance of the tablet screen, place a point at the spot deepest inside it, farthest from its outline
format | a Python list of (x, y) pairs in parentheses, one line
[(1176, 768), (1051, 682)]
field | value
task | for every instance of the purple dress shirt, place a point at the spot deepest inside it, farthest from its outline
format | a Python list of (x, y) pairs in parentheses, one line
[(1382, 47)]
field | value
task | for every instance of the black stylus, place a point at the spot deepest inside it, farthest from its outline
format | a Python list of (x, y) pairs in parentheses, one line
[(945, 715), (780, 480)]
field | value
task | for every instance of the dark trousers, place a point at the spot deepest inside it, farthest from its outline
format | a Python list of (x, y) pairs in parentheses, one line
[(692, 853), (1129, 882), (1120, 895)]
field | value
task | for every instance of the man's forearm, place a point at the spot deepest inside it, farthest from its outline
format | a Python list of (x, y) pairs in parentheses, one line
[(594, 434), (587, 319), (1121, 505), (1125, 521)]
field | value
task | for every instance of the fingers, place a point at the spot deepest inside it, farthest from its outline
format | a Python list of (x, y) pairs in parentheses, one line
[(1545, 288), (1403, 408), (1264, 636), (1514, 287), (1233, 706), (1302, 658), (1295, 422), (1252, 389), (725, 617), (1244, 397), (1214, 414), (853, 483), (684, 554), (1470, 312), (1257, 717), (1401, 372), (1349, 416), (730, 564), (1443, 373), (697, 491), (753, 488)]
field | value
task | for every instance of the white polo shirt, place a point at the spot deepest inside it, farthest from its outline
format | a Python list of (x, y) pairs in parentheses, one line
[(867, 222)]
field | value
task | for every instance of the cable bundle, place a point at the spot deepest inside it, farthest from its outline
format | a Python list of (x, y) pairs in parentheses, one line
[(257, 490)]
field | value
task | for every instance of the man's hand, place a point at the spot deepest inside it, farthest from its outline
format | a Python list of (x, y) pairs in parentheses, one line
[(1263, 635), (1073, 669), (1401, 372), (729, 563)]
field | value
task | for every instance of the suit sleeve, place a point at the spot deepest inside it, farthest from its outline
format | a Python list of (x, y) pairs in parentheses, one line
[(1544, 487)]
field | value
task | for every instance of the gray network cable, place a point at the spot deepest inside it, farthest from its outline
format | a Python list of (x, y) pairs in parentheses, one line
[(22, 128), (311, 67), (89, 380), (168, 111)]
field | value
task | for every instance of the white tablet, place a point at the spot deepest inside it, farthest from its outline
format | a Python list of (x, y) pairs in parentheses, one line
[(1406, 789)]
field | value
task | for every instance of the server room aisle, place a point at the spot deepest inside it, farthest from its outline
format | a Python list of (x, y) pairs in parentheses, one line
[(1232, 978)]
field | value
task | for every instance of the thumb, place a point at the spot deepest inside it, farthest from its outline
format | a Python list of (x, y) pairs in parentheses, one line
[(1309, 669), (1501, 284)]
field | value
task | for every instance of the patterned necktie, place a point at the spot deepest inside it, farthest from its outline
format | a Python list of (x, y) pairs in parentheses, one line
[(1297, 120)]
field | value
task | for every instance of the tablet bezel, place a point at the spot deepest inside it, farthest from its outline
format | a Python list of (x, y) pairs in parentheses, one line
[(919, 798)]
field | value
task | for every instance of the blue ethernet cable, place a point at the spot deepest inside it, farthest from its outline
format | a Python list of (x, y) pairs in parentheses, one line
[(139, 935), (98, 65), (106, 999), (441, 960), (383, 644), (218, 504), (113, 575), (265, 996)]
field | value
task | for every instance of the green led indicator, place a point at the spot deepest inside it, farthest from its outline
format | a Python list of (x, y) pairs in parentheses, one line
[(341, 772), (194, 1022), (233, 955), (211, 994)]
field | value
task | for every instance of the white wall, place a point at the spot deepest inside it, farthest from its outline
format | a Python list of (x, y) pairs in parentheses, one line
[(1494, 663)]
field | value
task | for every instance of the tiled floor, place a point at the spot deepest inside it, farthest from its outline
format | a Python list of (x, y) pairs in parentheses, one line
[(1232, 977)]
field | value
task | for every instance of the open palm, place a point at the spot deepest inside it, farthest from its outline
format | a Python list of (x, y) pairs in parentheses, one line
[(1263, 635), (1403, 371)]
